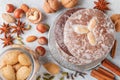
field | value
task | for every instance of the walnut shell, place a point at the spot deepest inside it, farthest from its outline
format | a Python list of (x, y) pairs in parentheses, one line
[(51, 6), (34, 15), (69, 3)]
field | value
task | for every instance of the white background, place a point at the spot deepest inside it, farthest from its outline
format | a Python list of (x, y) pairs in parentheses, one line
[(49, 19)]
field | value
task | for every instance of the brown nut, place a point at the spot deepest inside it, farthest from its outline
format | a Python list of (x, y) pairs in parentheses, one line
[(40, 50), (10, 8), (69, 3), (43, 40), (42, 28), (24, 7), (8, 18), (51, 6), (115, 17), (117, 25), (18, 13), (52, 68), (34, 15), (31, 38)]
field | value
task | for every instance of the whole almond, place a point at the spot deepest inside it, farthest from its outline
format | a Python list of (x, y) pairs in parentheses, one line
[(31, 38), (8, 18)]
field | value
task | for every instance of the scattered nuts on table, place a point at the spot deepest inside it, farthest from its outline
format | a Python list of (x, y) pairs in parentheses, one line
[(10, 8), (43, 40), (8, 18), (17, 65), (34, 15), (40, 50), (51, 6), (69, 3), (52, 68), (31, 38), (18, 13), (24, 7), (42, 27)]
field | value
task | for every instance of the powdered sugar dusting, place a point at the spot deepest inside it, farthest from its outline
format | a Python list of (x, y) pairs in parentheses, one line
[(78, 45)]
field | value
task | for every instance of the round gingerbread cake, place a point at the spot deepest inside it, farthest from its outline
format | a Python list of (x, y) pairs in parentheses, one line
[(85, 36)]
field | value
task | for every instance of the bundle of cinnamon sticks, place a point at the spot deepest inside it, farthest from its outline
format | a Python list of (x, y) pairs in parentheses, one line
[(103, 74)]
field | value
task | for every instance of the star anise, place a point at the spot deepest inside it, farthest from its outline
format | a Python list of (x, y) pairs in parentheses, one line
[(102, 5), (19, 28), (8, 40), (5, 29)]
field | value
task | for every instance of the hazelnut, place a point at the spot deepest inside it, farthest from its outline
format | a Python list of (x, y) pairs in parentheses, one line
[(69, 3), (24, 7), (40, 50), (42, 28), (10, 8), (51, 6), (52, 68), (42, 40), (34, 15), (18, 13)]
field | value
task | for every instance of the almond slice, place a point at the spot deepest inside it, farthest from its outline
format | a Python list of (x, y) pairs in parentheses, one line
[(91, 38), (80, 29), (92, 24)]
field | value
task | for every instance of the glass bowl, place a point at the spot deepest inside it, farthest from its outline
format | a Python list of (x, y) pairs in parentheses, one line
[(56, 53), (27, 51)]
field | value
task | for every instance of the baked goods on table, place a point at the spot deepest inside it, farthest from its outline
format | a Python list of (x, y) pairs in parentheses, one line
[(84, 35)]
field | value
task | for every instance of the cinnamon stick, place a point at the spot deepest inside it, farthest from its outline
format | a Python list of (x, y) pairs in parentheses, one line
[(100, 76), (93, 73), (106, 63), (113, 51), (106, 72)]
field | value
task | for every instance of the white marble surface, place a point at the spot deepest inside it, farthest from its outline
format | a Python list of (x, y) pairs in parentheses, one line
[(49, 19)]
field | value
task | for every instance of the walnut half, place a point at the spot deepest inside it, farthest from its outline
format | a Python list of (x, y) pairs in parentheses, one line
[(34, 15)]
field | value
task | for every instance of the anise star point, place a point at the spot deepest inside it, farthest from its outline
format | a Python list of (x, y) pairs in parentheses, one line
[(5, 29), (101, 5), (8, 40)]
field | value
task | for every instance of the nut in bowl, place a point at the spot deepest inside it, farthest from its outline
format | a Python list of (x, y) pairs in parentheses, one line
[(18, 63)]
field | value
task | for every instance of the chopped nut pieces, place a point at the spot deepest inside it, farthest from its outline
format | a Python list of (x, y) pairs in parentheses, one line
[(51, 6), (34, 15), (69, 3)]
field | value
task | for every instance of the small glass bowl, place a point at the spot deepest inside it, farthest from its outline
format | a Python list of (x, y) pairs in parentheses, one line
[(56, 53), (31, 54)]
